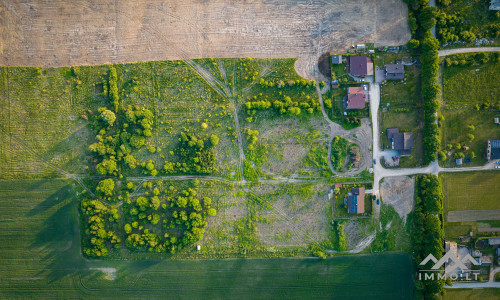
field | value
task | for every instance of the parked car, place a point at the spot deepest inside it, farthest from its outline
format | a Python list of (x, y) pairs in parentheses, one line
[(498, 162), (497, 167), (378, 202), (374, 161), (374, 197)]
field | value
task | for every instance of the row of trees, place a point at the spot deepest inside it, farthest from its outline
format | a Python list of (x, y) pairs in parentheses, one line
[(286, 106), (428, 235), (430, 92)]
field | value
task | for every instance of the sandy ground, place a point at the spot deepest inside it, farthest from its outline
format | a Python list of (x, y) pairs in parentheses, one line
[(398, 192), (62, 32)]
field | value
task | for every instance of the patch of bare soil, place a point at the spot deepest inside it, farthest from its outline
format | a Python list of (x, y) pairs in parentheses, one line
[(352, 234), (399, 192), (110, 273), (63, 32)]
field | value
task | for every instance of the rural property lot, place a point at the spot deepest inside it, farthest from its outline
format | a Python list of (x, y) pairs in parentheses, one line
[(98, 32), (40, 254)]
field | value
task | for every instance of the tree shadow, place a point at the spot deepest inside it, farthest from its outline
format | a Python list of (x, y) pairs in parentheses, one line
[(50, 201), (60, 239), (324, 65)]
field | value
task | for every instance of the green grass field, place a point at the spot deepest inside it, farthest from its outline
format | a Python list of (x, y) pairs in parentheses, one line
[(471, 190), (41, 258), (472, 294), (472, 83)]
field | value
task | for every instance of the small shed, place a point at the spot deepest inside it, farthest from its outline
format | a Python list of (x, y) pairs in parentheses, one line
[(198, 247), (496, 120), (458, 161), (336, 59)]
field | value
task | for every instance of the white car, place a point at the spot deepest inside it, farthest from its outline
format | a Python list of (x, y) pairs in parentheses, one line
[(497, 167)]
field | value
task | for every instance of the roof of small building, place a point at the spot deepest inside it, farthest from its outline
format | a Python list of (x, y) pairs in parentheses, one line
[(495, 149), (494, 241), (336, 59)]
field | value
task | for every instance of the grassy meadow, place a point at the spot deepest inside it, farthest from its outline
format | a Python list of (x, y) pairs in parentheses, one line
[(470, 103)]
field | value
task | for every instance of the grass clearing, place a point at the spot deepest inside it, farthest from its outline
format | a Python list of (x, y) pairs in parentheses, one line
[(472, 294), (471, 102), (471, 190)]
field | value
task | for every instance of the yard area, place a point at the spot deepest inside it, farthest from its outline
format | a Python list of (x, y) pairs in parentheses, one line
[(470, 191), (402, 108), (413, 124), (340, 206), (470, 103)]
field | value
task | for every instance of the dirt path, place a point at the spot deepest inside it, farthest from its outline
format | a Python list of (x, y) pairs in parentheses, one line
[(467, 50), (92, 32)]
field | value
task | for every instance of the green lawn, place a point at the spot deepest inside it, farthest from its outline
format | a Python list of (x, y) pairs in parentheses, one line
[(41, 258), (473, 83), (403, 93), (471, 190), (455, 130), (472, 294), (402, 108)]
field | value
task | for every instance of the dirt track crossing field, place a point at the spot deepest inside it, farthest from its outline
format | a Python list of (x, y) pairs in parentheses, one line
[(98, 32)]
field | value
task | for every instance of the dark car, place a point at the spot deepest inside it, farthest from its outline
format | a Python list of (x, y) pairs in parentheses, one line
[(374, 161), (378, 202), (374, 197)]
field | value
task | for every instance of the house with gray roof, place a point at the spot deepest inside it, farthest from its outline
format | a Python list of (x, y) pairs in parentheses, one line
[(400, 141), (394, 72)]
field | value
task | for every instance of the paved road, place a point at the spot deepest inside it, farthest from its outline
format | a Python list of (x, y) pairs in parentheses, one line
[(468, 50)]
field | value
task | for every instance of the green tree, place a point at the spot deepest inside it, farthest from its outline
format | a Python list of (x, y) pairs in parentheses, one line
[(127, 228), (108, 117), (214, 140), (106, 186), (211, 212), (442, 156), (413, 44)]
